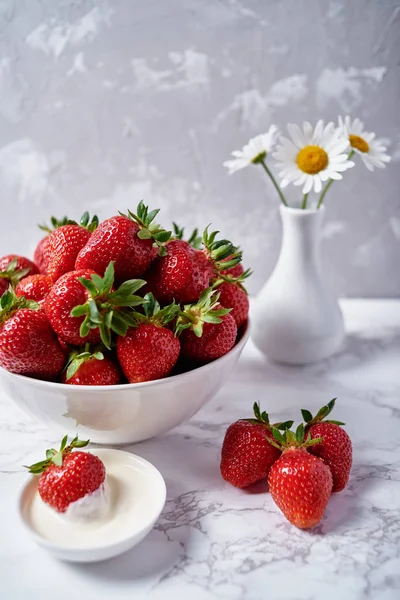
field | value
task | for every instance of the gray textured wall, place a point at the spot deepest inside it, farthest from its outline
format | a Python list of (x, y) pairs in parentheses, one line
[(103, 103)]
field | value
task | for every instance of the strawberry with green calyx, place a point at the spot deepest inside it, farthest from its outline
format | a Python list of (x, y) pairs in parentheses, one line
[(149, 350), (300, 483), (221, 253), (63, 245), (185, 272), (11, 272), (56, 456), (206, 310), (28, 346), (207, 331), (247, 454), (335, 449), (130, 241), (91, 368), (83, 307), (68, 475), (233, 294), (148, 230), (38, 254), (195, 240)]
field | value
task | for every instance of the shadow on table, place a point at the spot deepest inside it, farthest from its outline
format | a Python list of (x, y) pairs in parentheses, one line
[(346, 509), (150, 559)]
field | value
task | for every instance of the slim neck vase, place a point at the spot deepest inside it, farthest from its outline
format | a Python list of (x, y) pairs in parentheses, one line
[(296, 316)]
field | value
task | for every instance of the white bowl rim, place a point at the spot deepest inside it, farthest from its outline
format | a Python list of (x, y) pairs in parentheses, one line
[(76, 389), (54, 547)]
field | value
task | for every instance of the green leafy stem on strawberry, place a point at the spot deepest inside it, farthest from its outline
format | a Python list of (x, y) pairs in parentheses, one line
[(292, 439), (228, 278), (106, 309), (262, 418), (148, 229), (220, 250), (56, 456), (153, 313), (85, 221), (206, 310), (10, 303), (77, 358), (194, 239), (12, 274), (320, 416)]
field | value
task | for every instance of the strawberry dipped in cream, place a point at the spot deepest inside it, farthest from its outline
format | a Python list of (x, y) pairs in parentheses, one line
[(72, 482)]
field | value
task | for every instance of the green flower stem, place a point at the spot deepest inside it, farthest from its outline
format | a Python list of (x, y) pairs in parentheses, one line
[(304, 205), (272, 178), (328, 185)]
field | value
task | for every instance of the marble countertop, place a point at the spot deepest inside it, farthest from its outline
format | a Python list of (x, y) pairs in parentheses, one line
[(215, 541)]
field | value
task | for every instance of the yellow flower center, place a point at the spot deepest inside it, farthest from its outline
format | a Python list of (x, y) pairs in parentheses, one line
[(312, 159), (358, 143)]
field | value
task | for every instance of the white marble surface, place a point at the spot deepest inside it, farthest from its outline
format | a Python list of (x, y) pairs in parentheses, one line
[(214, 541)]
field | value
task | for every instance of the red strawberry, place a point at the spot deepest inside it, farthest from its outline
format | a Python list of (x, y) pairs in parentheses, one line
[(34, 287), (63, 245), (68, 475), (300, 483), (335, 449), (181, 275), (38, 256), (28, 345), (125, 240), (82, 306), (86, 368), (185, 272), (150, 350), (207, 330), (3, 286), (247, 455), (13, 268), (65, 347), (232, 295)]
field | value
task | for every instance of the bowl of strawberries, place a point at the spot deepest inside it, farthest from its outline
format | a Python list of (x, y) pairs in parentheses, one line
[(121, 328)]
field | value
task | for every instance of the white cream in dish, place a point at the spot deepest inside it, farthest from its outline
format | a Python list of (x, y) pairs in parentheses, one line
[(91, 507), (134, 499)]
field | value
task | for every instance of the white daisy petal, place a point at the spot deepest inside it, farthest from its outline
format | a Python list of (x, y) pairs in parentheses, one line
[(317, 184), (308, 131), (334, 175), (318, 131), (308, 184), (296, 135)]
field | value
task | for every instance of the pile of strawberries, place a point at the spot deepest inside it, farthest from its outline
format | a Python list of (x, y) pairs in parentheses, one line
[(303, 468), (121, 300)]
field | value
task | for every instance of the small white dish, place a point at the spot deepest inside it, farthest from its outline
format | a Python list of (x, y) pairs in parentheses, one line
[(137, 497)]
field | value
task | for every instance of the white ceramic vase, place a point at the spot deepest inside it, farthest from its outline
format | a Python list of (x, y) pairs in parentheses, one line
[(296, 317)]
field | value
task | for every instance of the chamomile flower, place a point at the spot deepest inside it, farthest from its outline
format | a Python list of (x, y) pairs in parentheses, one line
[(312, 156), (253, 152), (372, 151)]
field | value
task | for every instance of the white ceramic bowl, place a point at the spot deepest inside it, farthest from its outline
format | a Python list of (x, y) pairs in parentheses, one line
[(121, 414), (137, 497)]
